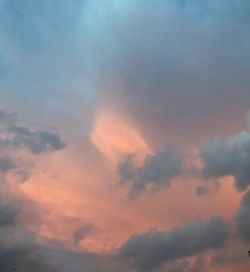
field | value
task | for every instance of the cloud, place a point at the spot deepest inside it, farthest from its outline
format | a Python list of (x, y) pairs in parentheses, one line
[(229, 158), (228, 256), (202, 190), (25, 259), (242, 218), (6, 165), (8, 215), (14, 137), (157, 170), (81, 233), (151, 249), (165, 65), (37, 142)]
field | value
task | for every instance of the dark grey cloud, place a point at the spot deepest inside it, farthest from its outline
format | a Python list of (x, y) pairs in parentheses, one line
[(25, 259), (36, 141), (231, 158), (149, 250), (21, 250), (242, 218), (12, 137), (8, 215), (157, 170)]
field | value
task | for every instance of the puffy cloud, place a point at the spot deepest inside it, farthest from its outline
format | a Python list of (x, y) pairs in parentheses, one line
[(149, 250), (157, 170), (243, 218), (37, 142), (231, 158)]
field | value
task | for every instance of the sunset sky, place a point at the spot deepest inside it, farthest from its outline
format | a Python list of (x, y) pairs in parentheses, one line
[(124, 135)]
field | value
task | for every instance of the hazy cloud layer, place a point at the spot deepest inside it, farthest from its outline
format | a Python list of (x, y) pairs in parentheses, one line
[(179, 69), (149, 250), (173, 66), (157, 170)]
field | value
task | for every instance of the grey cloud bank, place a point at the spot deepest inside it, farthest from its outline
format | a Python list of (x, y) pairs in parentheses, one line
[(149, 250)]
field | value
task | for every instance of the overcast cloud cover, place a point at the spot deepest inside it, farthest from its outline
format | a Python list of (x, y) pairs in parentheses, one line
[(163, 88)]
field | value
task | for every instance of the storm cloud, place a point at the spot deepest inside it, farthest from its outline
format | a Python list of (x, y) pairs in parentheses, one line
[(149, 250)]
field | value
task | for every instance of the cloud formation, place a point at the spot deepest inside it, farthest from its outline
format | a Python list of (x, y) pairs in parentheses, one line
[(25, 259), (157, 170), (177, 69), (37, 141), (8, 215), (231, 158), (242, 218), (149, 250)]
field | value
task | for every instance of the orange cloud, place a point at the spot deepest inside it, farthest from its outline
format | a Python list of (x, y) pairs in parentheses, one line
[(114, 136)]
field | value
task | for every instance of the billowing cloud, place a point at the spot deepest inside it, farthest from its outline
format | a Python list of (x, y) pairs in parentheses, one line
[(229, 158), (157, 170), (149, 250), (243, 218)]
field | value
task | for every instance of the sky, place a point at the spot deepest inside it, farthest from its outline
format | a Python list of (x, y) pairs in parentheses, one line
[(124, 135)]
